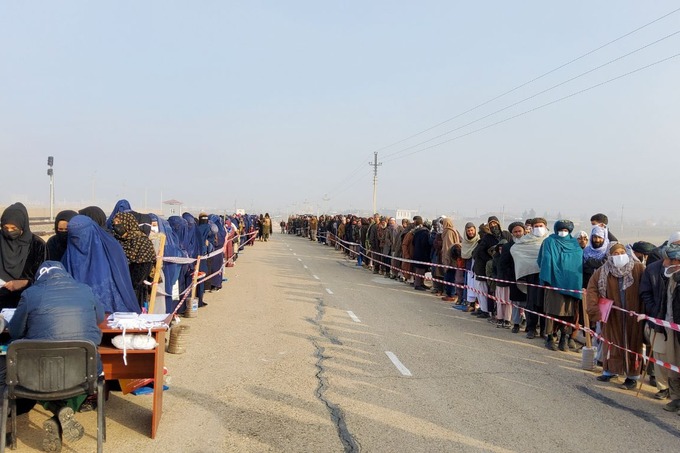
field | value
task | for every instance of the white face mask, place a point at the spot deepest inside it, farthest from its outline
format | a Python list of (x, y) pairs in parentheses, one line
[(154, 229), (538, 231), (670, 270), (563, 234), (620, 260)]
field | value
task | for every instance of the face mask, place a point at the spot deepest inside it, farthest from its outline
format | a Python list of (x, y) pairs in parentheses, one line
[(620, 260), (563, 234), (62, 236), (538, 231), (670, 270), (11, 235), (495, 230), (119, 230), (154, 229)]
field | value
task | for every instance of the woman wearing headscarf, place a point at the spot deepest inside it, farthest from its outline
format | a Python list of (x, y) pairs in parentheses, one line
[(560, 260), (450, 237), (231, 231), (181, 229), (467, 248), (95, 258), (56, 245), (216, 263), (204, 238), (21, 254), (97, 214), (618, 280), (267, 227), (121, 206), (171, 271), (138, 250)]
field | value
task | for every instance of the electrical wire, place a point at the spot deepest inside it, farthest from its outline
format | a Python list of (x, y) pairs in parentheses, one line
[(532, 80), (533, 95), (538, 107)]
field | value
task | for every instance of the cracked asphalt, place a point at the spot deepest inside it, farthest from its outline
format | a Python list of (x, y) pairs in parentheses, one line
[(275, 363)]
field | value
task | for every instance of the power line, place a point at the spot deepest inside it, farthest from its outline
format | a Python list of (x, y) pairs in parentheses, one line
[(539, 107), (532, 80), (534, 95)]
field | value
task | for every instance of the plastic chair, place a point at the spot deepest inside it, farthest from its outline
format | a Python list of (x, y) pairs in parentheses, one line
[(48, 370)]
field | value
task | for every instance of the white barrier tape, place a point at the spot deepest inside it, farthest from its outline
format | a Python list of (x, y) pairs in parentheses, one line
[(640, 316), (586, 330)]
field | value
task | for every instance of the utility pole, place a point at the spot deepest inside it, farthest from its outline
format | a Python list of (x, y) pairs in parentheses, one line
[(375, 166), (50, 173)]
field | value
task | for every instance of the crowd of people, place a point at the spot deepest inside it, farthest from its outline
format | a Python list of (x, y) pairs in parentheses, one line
[(550, 283), (95, 264)]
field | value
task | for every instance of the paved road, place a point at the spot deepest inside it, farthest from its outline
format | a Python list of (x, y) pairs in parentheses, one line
[(276, 363)]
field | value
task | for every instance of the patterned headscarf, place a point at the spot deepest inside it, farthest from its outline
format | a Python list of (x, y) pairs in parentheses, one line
[(608, 268), (137, 246)]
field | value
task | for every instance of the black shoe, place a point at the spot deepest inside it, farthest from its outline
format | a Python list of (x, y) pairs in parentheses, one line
[(673, 406), (605, 378), (629, 384), (562, 346), (52, 440), (550, 343), (506, 324), (420, 288), (662, 394), (515, 328), (483, 315), (70, 427), (652, 381), (531, 334)]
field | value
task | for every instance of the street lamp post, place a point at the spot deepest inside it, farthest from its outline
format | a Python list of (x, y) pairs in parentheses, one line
[(50, 173)]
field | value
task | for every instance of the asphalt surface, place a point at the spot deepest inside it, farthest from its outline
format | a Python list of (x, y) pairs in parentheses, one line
[(303, 351)]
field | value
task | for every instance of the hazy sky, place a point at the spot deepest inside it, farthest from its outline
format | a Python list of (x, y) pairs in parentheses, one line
[(273, 105)]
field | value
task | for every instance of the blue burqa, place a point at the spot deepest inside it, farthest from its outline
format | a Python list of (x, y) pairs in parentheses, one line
[(95, 258), (171, 272), (561, 262), (121, 206)]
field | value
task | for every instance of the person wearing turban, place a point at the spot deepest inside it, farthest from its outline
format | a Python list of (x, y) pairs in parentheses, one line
[(560, 260)]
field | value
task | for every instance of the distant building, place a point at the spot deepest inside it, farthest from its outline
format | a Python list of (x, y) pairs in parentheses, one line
[(405, 214)]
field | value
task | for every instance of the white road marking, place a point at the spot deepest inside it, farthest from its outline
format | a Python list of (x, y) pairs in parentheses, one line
[(305, 266), (353, 316), (329, 291), (315, 277), (400, 366)]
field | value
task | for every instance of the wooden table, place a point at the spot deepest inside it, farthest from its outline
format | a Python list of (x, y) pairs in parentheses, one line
[(140, 364)]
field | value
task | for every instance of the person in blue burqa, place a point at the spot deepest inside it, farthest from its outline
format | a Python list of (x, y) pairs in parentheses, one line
[(95, 258), (171, 271), (216, 263), (181, 229), (205, 241), (121, 206)]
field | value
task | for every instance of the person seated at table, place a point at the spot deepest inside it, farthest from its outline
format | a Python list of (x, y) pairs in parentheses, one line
[(95, 258), (21, 252), (56, 245), (56, 307)]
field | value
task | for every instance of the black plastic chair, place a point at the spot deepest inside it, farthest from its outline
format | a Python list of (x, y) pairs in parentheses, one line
[(48, 371)]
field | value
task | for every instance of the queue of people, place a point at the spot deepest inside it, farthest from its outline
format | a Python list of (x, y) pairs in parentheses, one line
[(95, 264), (543, 278)]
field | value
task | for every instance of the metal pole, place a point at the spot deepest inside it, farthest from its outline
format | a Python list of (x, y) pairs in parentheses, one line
[(52, 197)]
